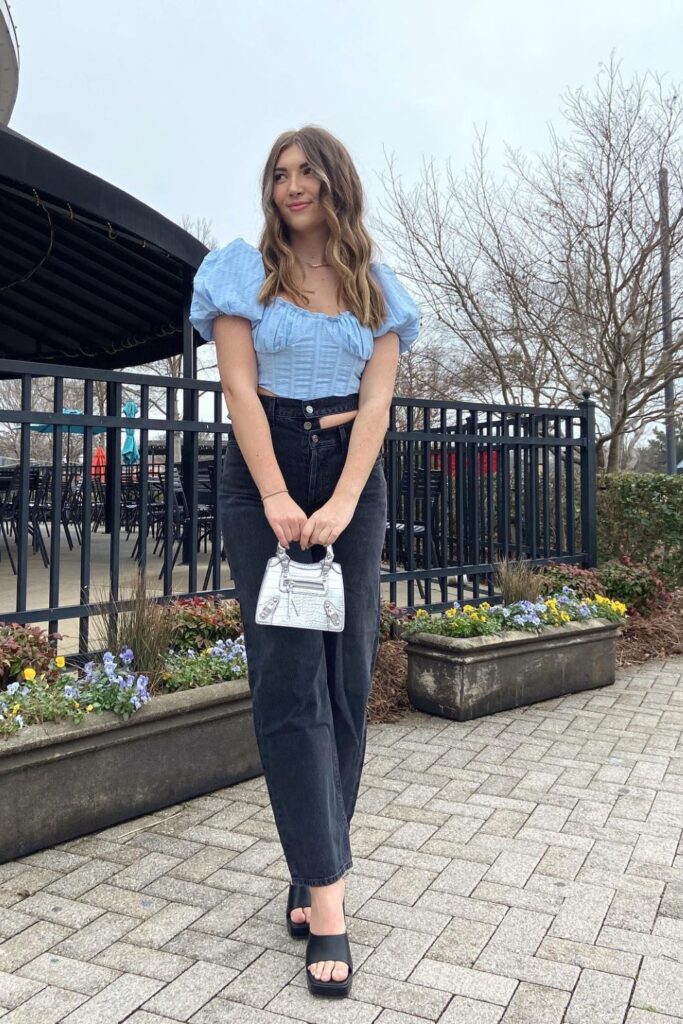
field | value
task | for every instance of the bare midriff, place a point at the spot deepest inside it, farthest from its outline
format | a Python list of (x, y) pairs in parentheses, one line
[(332, 419)]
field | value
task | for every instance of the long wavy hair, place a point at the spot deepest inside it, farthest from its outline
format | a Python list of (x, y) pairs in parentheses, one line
[(349, 248)]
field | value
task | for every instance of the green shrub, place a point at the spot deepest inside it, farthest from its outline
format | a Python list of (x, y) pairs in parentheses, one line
[(199, 622), (640, 516), (556, 575), (638, 586), (26, 647)]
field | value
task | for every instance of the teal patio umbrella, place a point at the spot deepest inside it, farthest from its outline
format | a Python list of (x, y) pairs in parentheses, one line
[(77, 428), (130, 452)]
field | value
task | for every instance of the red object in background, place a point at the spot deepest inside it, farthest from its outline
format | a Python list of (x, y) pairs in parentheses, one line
[(453, 459), (99, 464)]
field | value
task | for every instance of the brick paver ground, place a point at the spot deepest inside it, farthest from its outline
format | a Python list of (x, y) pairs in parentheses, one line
[(524, 868)]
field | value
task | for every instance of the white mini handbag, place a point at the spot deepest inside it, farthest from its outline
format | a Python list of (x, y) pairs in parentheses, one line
[(305, 594)]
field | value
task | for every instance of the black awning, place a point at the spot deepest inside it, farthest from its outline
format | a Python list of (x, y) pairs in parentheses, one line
[(87, 272)]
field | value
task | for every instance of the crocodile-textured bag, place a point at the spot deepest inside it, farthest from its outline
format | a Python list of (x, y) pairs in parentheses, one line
[(305, 594)]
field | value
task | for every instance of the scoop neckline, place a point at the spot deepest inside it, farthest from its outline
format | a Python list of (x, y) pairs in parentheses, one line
[(279, 298), (315, 312)]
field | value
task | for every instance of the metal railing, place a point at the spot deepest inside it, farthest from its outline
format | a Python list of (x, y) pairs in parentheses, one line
[(467, 483)]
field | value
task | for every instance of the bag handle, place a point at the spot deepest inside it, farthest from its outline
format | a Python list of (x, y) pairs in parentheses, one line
[(325, 563)]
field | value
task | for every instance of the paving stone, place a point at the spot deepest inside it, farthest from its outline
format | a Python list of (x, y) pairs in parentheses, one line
[(398, 954), (139, 875), (521, 931), (464, 981), (427, 921), (582, 914), (648, 1017), (104, 849), (82, 879), (599, 996), (213, 949), (67, 973), (230, 914), (157, 930), (28, 881), (533, 1004), (406, 885), (536, 970), (49, 907), (15, 990), (47, 1007), (115, 1002), (297, 1002), (127, 958), (659, 987), (469, 1011), (142, 1017), (223, 1011), (95, 937), (461, 941), (12, 922), (632, 911), (190, 991), (405, 996), (200, 865), (263, 979), (597, 958), (124, 901), (192, 893), (30, 943)]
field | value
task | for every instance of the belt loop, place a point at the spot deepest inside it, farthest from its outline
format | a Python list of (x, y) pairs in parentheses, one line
[(342, 431)]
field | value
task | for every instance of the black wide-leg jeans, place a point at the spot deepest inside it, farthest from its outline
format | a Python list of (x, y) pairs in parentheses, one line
[(309, 687)]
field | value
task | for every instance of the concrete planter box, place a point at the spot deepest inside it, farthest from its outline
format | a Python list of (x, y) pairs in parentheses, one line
[(61, 780), (467, 678)]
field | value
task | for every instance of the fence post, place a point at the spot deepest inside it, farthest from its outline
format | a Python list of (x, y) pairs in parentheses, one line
[(589, 515)]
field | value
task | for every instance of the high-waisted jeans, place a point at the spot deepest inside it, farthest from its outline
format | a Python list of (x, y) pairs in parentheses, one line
[(309, 687)]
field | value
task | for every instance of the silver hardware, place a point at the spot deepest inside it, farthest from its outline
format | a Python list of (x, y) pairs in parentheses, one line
[(314, 438), (307, 425), (309, 408)]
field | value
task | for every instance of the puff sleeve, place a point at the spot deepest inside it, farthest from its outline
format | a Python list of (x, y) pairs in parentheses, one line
[(227, 281), (403, 314)]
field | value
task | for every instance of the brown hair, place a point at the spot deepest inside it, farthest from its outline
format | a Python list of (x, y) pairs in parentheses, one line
[(349, 248)]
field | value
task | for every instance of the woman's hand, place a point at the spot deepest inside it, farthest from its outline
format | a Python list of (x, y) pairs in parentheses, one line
[(327, 522), (285, 516)]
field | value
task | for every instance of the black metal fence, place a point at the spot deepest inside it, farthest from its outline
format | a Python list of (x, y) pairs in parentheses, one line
[(467, 483)]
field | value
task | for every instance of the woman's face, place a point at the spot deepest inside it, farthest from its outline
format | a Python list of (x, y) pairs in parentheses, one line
[(295, 183)]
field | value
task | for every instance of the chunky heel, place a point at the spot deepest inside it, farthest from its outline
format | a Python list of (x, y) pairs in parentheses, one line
[(299, 896)]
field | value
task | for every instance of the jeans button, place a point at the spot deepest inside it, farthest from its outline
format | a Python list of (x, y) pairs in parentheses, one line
[(314, 438), (307, 425), (309, 409)]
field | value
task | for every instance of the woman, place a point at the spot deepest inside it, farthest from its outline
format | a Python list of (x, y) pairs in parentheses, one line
[(308, 331)]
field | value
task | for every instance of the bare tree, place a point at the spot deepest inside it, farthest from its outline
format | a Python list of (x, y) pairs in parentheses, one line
[(551, 278)]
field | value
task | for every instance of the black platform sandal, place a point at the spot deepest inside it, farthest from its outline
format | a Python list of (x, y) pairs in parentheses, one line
[(328, 947), (299, 896)]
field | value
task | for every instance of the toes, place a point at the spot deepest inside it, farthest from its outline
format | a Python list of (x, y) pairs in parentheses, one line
[(340, 971), (326, 970)]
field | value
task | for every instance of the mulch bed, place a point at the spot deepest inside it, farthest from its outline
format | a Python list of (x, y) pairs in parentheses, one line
[(660, 635)]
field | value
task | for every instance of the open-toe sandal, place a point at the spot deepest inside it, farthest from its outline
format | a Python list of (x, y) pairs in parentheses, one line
[(328, 947), (299, 896)]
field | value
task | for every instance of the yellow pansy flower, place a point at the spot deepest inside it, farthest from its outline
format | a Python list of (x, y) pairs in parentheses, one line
[(29, 674), (60, 661), (89, 708)]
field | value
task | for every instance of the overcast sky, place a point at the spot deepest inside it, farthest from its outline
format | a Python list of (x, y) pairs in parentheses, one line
[(178, 103)]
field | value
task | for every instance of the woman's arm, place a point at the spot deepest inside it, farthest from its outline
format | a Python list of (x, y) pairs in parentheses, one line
[(239, 377), (369, 427)]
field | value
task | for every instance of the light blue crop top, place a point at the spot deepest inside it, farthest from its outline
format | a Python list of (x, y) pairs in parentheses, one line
[(300, 353)]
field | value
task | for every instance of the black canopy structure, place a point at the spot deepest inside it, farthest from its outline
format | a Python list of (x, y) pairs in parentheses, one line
[(89, 275)]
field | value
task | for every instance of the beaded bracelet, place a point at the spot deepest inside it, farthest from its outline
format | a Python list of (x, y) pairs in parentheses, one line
[(283, 491)]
